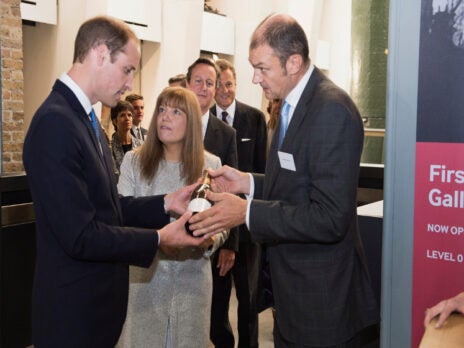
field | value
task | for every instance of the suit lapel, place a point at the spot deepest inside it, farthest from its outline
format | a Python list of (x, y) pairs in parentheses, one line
[(210, 133), (302, 106), (79, 111), (103, 153), (272, 166), (212, 110), (273, 163), (238, 119)]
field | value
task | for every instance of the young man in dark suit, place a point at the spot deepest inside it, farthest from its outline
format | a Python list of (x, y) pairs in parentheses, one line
[(139, 113), (83, 245), (218, 138), (251, 134), (304, 207)]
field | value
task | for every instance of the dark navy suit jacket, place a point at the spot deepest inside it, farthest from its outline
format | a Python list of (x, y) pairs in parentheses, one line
[(83, 251)]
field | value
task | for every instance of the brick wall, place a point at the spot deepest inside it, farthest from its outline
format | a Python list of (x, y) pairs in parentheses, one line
[(12, 102)]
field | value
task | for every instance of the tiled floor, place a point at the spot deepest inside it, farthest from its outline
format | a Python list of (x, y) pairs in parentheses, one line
[(266, 323)]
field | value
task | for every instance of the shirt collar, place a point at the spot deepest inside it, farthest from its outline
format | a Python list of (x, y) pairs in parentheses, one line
[(78, 92), (230, 110), (295, 94)]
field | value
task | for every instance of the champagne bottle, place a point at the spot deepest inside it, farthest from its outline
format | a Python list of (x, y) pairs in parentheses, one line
[(198, 200)]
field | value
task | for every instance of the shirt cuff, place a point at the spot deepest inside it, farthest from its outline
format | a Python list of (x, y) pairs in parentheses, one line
[(164, 205), (249, 198), (252, 187)]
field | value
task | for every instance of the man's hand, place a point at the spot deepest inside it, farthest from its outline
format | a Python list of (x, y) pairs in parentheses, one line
[(227, 179), (226, 260), (228, 211), (444, 309), (178, 201), (174, 236)]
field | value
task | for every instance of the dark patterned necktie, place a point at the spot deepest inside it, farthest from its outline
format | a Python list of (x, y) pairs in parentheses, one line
[(224, 116)]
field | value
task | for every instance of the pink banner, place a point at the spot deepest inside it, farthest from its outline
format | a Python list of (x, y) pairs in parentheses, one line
[(438, 228)]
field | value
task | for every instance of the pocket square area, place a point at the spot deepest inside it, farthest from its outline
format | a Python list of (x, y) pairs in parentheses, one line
[(245, 139)]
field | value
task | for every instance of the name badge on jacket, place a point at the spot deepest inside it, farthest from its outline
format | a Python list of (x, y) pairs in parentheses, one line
[(286, 161)]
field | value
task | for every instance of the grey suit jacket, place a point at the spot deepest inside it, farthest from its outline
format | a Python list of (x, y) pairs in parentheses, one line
[(308, 221), (144, 132)]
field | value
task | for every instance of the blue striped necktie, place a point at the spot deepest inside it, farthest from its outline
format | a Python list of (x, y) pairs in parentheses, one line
[(284, 111)]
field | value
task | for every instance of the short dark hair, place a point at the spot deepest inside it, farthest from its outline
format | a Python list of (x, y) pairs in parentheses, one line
[(122, 105), (202, 60), (133, 97), (179, 78), (284, 35), (112, 32)]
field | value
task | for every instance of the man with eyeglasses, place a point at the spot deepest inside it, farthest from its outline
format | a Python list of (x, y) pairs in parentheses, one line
[(218, 138)]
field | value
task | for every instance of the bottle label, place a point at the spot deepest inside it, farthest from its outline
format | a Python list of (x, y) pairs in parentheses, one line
[(198, 204)]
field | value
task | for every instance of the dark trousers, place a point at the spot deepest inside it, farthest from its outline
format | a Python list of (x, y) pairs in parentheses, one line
[(245, 275), (280, 342)]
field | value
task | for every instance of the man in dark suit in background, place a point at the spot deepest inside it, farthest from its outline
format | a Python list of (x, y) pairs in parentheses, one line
[(178, 80), (83, 249), (251, 134), (218, 138), (304, 207), (139, 112)]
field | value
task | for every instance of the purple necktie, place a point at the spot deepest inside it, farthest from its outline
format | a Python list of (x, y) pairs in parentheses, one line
[(224, 116)]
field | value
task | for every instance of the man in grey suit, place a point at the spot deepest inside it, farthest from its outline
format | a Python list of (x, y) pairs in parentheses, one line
[(218, 138), (304, 207), (251, 134)]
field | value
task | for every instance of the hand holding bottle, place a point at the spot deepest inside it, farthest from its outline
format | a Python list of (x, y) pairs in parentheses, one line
[(228, 211), (228, 179), (199, 201), (177, 202), (173, 236)]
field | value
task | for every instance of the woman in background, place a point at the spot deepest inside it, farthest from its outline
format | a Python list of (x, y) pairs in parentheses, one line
[(273, 109), (170, 303), (122, 139)]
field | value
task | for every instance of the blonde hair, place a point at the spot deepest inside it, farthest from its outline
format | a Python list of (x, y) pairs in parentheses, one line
[(151, 152)]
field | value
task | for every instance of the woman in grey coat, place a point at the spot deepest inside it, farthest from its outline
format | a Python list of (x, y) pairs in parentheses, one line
[(170, 303)]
